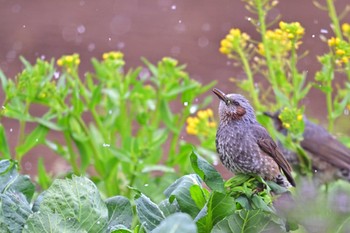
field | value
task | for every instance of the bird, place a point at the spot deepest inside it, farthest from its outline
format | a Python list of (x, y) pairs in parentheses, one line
[(330, 158), (244, 146)]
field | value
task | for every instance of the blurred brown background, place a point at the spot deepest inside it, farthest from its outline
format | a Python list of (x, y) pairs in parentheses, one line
[(189, 31)]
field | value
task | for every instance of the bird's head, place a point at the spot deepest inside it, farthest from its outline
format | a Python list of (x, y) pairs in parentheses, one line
[(234, 107)]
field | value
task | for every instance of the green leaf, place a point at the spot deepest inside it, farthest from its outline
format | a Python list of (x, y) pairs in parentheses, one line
[(77, 200), (177, 223), (176, 90), (198, 196), (167, 116), (49, 124), (148, 212), (119, 229), (44, 178), (168, 208), (51, 222), (4, 146), (207, 172), (3, 80), (119, 211), (11, 180), (219, 206), (15, 210), (247, 221), (36, 137), (180, 190)]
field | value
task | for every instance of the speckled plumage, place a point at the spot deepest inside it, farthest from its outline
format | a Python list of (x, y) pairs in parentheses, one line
[(330, 158), (244, 145)]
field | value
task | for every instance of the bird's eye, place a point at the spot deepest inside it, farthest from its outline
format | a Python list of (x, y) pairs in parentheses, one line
[(235, 103)]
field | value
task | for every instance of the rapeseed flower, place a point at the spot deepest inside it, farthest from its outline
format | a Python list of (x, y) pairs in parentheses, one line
[(202, 124)]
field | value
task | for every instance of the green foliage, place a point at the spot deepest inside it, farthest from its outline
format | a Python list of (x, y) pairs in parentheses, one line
[(75, 205), (115, 121)]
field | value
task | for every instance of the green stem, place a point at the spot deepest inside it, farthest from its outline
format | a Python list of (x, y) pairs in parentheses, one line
[(72, 156), (337, 29), (95, 152), (262, 23), (329, 105), (248, 71), (295, 78), (334, 17)]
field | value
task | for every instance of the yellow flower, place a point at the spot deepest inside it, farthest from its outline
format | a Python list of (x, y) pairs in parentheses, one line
[(299, 117), (113, 55), (235, 32), (286, 125), (202, 114), (233, 42), (192, 131), (340, 52), (212, 124), (210, 112), (346, 28), (333, 41), (69, 60), (345, 59), (60, 62)]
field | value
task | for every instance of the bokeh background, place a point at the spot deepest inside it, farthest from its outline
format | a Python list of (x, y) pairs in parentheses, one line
[(189, 31)]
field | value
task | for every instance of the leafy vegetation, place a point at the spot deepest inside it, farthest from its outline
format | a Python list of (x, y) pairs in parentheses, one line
[(131, 169)]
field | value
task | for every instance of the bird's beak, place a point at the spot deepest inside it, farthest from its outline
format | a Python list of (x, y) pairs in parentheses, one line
[(220, 94), (269, 114)]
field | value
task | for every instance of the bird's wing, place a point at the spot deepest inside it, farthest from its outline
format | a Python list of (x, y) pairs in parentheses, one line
[(320, 143), (267, 144)]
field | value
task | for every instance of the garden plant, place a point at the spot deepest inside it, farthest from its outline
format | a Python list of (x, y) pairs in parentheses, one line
[(120, 132)]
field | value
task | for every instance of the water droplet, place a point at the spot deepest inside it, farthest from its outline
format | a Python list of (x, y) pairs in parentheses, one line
[(346, 111), (23, 26), (313, 36), (315, 171), (146, 185), (185, 103), (81, 29), (36, 140), (56, 75), (120, 25), (110, 112), (28, 166), (206, 27), (203, 42), (26, 226), (249, 19), (91, 47), (180, 21), (3, 107), (173, 7), (109, 39), (98, 222), (106, 145), (120, 45), (11, 130), (215, 162), (324, 31), (175, 50), (11, 55), (42, 57), (193, 109), (16, 8)]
